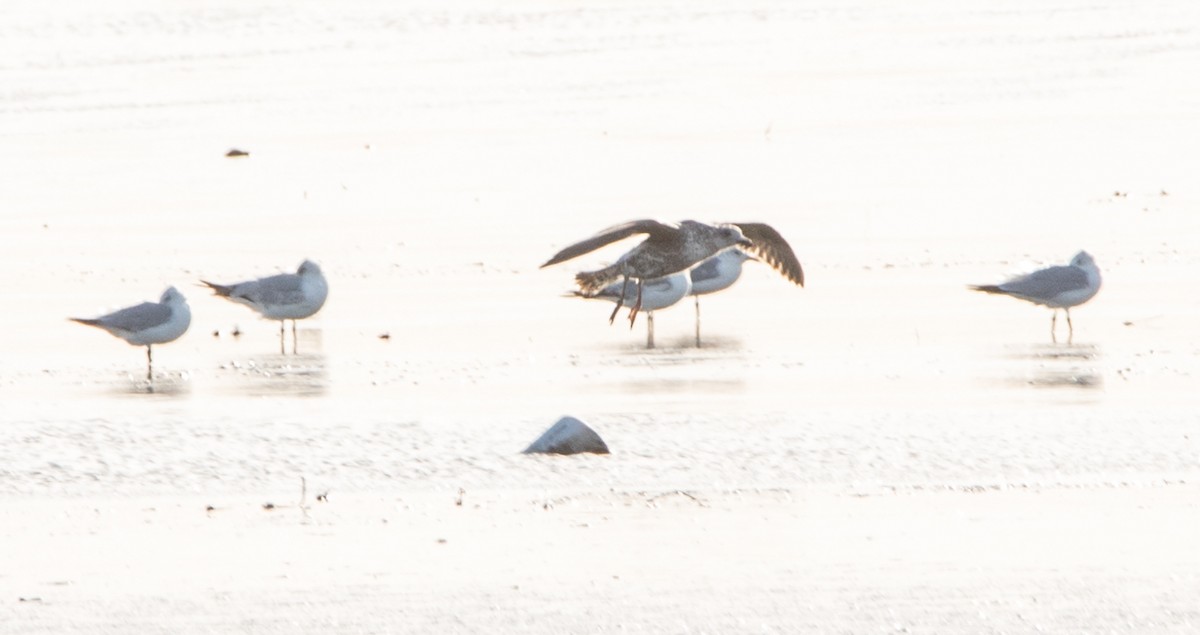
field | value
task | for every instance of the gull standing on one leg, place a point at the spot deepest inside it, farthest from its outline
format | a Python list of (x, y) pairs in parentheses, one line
[(724, 269), (1058, 287), (286, 296), (147, 324), (716, 274)]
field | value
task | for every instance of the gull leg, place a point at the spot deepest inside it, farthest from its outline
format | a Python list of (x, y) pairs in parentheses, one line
[(149, 365), (282, 350), (1053, 321), (650, 330), (1070, 327), (636, 307), (620, 300), (295, 342), (697, 321)]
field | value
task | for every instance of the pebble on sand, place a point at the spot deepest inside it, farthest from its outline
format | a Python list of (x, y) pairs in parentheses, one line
[(568, 436)]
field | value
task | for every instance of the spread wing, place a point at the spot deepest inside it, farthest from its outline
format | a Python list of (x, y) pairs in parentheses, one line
[(611, 235), (772, 249)]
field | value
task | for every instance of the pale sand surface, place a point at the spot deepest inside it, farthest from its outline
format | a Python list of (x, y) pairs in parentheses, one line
[(882, 451), (749, 561)]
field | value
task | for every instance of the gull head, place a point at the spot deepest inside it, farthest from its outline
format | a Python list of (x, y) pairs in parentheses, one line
[(732, 235), (740, 255), (309, 267), (172, 296), (1083, 259)]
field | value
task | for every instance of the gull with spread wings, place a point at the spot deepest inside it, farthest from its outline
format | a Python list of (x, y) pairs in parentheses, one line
[(671, 248), (658, 293)]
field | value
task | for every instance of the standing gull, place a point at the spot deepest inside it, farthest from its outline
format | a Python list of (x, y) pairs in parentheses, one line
[(716, 274), (658, 293), (671, 248), (1058, 287), (286, 296), (148, 323)]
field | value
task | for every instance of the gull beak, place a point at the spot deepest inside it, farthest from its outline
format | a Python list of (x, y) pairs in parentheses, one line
[(745, 242)]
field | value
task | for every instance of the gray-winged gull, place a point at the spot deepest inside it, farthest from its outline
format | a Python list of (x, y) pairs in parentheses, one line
[(148, 323), (658, 293), (1058, 287), (286, 296)]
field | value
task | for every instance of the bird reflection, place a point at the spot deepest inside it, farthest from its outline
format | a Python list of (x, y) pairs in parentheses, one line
[(296, 375), (170, 385), (1061, 366)]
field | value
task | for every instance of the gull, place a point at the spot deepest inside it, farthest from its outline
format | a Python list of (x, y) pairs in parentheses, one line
[(658, 293), (716, 274), (1058, 287), (286, 296), (147, 324), (671, 248), (667, 249)]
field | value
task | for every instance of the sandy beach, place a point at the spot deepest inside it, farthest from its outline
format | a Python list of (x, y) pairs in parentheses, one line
[(882, 451)]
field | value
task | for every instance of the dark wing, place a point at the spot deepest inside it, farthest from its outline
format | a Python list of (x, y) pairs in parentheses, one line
[(1046, 284), (772, 249), (612, 235)]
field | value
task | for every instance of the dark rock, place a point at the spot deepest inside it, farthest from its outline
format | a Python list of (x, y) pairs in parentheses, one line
[(568, 436)]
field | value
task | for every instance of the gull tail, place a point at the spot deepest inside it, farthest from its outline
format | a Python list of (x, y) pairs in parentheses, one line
[(591, 282), (222, 290), (987, 288)]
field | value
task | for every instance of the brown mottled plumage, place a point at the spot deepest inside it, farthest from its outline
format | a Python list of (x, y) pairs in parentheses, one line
[(670, 248)]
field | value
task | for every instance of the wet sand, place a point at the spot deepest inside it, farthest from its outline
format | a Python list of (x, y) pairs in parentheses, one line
[(881, 451), (780, 560)]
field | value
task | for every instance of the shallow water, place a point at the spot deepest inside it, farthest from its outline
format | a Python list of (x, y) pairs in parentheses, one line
[(429, 159), (814, 467)]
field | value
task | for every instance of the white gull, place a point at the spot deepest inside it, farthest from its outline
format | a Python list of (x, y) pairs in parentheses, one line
[(286, 296), (148, 323), (1058, 287), (716, 274)]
